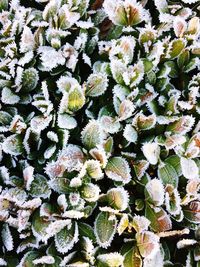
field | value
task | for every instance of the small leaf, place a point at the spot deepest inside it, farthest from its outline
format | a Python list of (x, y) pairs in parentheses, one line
[(183, 58), (96, 85), (189, 168), (92, 135), (66, 238), (174, 161), (192, 212), (28, 259), (13, 145), (85, 230), (147, 243), (130, 134), (7, 237), (8, 97), (118, 198), (39, 187), (65, 121), (76, 99), (110, 260), (29, 79), (154, 192), (118, 169), (104, 228), (123, 224), (39, 226), (93, 168), (167, 174), (118, 68), (90, 192), (159, 219), (132, 258), (152, 152), (177, 47)]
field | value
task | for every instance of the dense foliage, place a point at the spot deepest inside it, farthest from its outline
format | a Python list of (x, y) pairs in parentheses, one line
[(99, 133)]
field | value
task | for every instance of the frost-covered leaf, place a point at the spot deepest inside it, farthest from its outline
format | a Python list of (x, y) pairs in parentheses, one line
[(104, 228), (28, 259), (66, 121), (125, 13), (130, 133), (39, 187), (93, 168), (66, 238), (132, 258), (7, 237), (123, 224), (191, 212), (110, 260), (152, 152), (118, 169), (176, 48), (154, 192), (92, 134), (76, 99), (118, 198), (167, 174), (96, 84), (90, 192), (29, 79), (160, 220), (13, 145), (189, 168), (140, 223), (147, 243), (39, 226), (172, 200), (9, 97), (143, 122)]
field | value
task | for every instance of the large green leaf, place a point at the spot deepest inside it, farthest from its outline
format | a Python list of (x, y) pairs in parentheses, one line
[(66, 238), (39, 187), (132, 258), (160, 220), (118, 169), (168, 174), (105, 228)]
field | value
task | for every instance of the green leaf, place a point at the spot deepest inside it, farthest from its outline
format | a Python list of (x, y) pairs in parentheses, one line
[(5, 118), (39, 226), (86, 230), (160, 220), (13, 145), (118, 198), (192, 212), (96, 85), (92, 134), (183, 58), (39, 187), (66, 238), (132, 258), (110, 260), (168, 174), (118, 169), (3, 5), (115, 32), (177, 47), (105, 229), (174, 161), (76, 99), (28, 258), (65, 121), (29, 79)]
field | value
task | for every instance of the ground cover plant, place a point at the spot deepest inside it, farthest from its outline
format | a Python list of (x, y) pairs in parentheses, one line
[(99, 133)]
